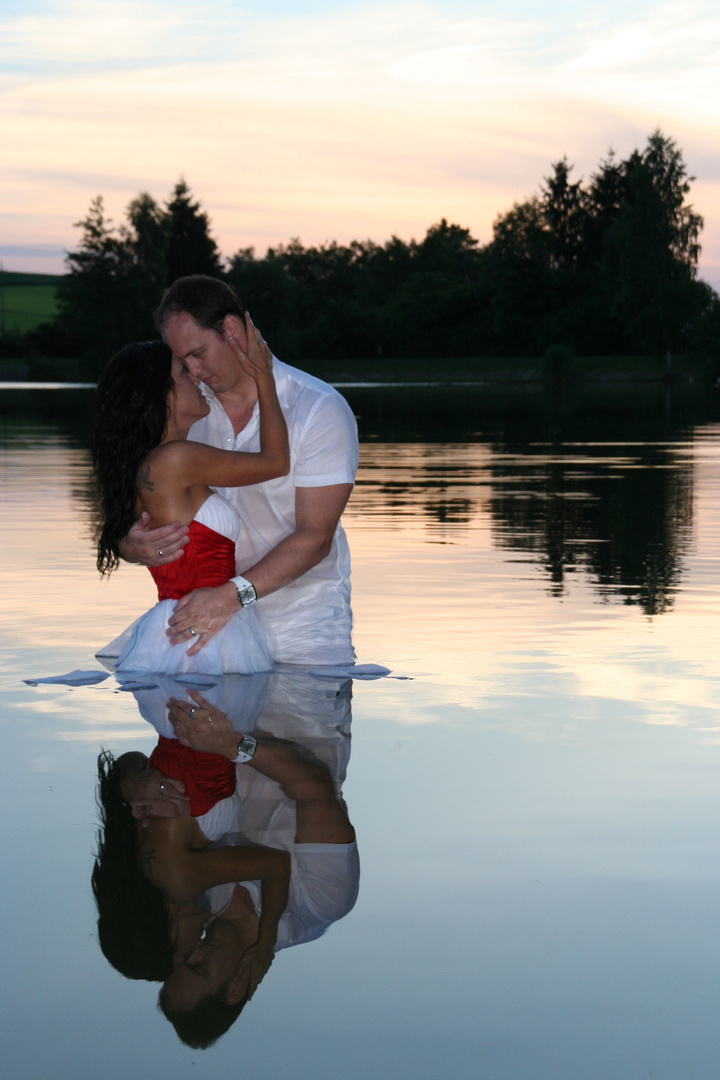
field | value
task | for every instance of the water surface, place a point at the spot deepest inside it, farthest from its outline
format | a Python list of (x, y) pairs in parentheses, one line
[(537, 804)]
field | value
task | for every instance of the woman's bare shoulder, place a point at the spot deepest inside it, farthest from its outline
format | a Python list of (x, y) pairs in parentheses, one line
[(172, 835), (170, 455)]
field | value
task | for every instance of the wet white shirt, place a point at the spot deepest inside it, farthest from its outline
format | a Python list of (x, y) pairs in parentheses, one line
[(308, 621)]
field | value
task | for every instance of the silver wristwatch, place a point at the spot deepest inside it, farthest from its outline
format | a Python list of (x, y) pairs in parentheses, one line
[(246, 747), (246, 594)]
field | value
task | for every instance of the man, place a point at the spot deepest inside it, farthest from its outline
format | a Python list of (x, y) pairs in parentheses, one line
[(292, 554), (289, 801)]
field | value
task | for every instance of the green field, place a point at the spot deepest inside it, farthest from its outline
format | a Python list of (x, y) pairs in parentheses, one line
[(26, 300)]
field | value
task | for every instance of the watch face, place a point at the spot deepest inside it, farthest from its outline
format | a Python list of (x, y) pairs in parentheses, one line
[(247, 595), (246, 748)]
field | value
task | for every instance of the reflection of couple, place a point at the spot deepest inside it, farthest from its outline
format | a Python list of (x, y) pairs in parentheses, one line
[(205, 871), (291, 550)]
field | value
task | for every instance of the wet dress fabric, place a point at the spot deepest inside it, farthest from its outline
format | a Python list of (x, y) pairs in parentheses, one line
[(208, 561)]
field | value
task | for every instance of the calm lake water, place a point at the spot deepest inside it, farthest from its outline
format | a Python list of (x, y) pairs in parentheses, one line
[(536, 800)]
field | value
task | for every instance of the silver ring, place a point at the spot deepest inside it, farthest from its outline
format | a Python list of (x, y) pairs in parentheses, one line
[(192, 632), (162, 786), (160, 554), (192, 710)]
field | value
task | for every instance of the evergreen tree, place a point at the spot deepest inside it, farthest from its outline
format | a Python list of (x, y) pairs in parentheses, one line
[(190, 247), (117, 275), (94, 299), (146, 238), (652, 250), (564, 207)]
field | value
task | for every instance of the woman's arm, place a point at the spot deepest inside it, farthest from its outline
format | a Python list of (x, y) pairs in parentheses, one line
[(174, 856), (186, 877)]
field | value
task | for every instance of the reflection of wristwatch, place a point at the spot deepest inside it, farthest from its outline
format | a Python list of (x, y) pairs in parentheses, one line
[(246, 594), (246, 747)]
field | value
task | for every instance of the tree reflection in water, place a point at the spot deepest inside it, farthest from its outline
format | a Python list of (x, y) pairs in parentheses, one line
[(588, 480), (622, 513)]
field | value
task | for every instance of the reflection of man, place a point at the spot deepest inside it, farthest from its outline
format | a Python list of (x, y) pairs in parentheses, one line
[(289, 800), (292, 552)]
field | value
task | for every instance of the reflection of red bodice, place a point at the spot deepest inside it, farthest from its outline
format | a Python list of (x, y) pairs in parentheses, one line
[(208, 778), (208, 560)]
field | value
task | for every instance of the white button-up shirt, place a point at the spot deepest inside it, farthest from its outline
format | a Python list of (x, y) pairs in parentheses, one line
[(308, 621)]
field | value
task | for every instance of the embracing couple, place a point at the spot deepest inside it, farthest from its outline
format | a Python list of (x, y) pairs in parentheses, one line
[(225, 472)]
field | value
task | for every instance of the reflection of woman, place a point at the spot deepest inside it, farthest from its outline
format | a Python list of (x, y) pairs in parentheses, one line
[(150, 868), (216, 917), (146, 404)]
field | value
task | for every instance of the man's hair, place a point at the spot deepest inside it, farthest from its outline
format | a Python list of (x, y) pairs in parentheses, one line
[(206, 299), (202, 1026)]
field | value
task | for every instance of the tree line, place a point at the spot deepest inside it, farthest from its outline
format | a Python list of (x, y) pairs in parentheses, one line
[(603, 266)]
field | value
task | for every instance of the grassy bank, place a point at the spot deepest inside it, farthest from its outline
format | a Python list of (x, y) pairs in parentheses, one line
[(26, 300)]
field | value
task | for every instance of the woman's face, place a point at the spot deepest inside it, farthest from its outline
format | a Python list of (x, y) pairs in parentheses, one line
[(186, 402)]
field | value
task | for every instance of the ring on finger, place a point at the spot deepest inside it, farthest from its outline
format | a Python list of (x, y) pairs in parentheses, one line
[(162, 786), (192, 632), (193, 710), (160, 553)]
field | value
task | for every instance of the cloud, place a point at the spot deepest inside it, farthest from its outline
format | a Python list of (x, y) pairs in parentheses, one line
[(85, 32), (354, 120), (665, 64)]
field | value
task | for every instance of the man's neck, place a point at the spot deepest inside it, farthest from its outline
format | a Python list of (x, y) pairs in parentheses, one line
[(239, 404)]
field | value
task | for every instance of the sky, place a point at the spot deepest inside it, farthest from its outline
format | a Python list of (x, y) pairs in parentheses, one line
[(339, 120)]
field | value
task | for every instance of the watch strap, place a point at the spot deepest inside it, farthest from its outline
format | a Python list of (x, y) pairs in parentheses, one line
[(246, 593)]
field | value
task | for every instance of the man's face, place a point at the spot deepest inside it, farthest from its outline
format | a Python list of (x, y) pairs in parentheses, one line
[(206, 969), (207, 356)]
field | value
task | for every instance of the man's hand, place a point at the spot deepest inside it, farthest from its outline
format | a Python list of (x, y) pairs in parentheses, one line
[(153, 547), (202, 727), (199, 615)]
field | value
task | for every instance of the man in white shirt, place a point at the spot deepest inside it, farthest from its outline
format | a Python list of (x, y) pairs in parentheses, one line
[(292, 553)]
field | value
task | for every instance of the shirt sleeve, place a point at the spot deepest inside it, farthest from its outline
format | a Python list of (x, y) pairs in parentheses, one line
[(328, 450)]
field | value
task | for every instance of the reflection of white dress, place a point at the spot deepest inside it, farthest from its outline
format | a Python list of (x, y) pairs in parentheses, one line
[(208, 560)]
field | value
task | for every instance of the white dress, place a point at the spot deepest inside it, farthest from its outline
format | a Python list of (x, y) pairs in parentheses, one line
[(208, 560)]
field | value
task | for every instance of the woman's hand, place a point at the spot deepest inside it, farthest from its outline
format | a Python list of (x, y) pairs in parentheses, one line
[(150, 793), (257, 361), (254, 965), (202, 727), (153, 547)]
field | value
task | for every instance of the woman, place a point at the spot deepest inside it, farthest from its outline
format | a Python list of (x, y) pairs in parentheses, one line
[(148, 870), (145, 406), (213, 946)]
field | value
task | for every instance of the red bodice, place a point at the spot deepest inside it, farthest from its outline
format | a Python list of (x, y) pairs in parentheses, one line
[(209, 560), (208, 778)]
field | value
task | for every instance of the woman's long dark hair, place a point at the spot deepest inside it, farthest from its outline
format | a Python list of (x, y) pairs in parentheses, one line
[(131, 413), (133, 925)]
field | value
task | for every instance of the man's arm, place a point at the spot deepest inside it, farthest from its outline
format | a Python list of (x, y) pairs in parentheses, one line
[(317, 513)]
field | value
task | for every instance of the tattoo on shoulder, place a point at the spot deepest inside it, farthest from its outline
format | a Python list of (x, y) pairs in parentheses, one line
[(146, 858), (144, 482)]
